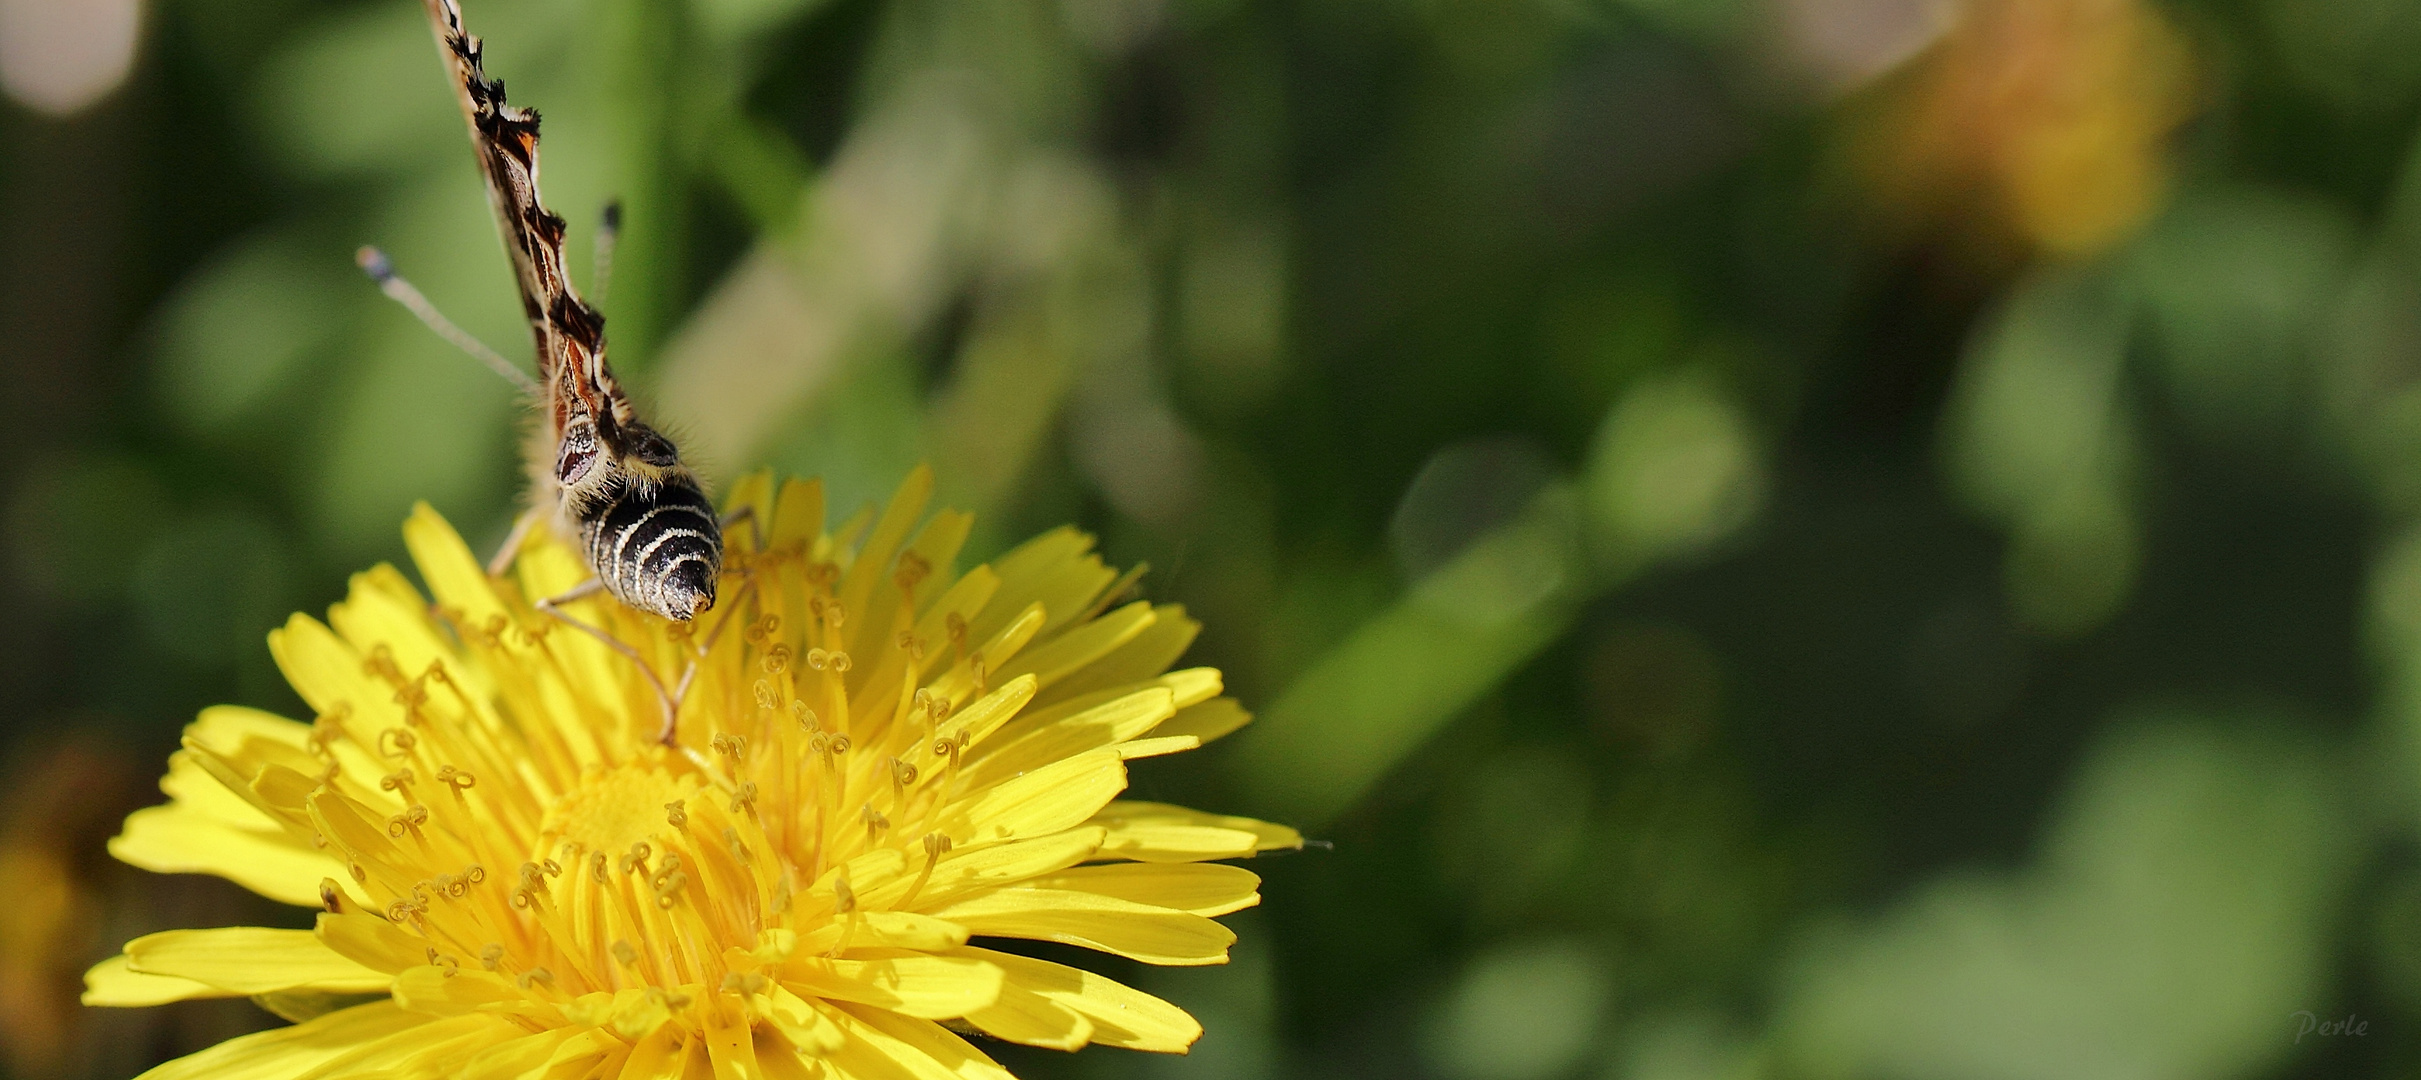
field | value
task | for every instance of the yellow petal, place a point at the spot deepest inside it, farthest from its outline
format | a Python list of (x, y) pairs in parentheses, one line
[(1177, 843), (454, 991), (663, 1055), (1154, 935), (424, 1050), (933, 987), (632, 1013), (1056, 569), (113, 983), (884, 865), (1201, 888), (752, 493), (513, 1059), (779, 1059), (253, 960), (1032, 748), (227, 728), (351, 831), (1155, 746), (996, 651), (371, 941), (174, 840), (730, 1051), (1058, 657), (590, 1052), (194, 787), (978, 721), (806, 1028), (887, 930), (1159, 832), (922, 1048), (871, 568), (1208, 721), (798, 516), (327, 671), (1136, 659), (1120, 1015), (287, 1052), (453, 573), (938, 543), (1058, 796), (372, 614), (1022, 1016), (970, 869)]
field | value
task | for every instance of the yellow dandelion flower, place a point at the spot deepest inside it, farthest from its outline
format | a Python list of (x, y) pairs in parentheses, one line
[(526, 869)]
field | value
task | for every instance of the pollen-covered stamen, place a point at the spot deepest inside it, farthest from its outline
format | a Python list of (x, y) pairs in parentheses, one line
[(745, 985), (410, 821), (395, 742), (936, 846), (668, 881), (844, 907), (729, 745)]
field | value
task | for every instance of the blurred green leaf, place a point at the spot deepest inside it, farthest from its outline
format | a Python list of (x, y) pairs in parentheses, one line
[(2039, 435), (1674, 469), (241, 328), (2175, 918), (361, 93), (2363, 56), (209, 587), (1523, 1011), (75, 523), (2234, 282), (1373, 699)]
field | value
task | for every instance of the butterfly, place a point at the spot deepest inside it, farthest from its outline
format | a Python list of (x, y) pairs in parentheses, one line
[(600, 475)]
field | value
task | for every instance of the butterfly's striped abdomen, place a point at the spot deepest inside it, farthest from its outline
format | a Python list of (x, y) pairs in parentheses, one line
[(655, 546)]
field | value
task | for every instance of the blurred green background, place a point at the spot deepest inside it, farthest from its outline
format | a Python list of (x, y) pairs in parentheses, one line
[(1773, 538)]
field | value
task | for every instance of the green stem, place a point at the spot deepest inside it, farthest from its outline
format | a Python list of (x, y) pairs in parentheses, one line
[(641, 51)]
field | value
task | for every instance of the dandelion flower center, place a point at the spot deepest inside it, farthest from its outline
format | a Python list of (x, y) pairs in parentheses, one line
[(615, 808)]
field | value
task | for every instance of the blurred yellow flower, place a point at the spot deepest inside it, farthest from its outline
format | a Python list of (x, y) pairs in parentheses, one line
[(871, 762), (2045, 119)]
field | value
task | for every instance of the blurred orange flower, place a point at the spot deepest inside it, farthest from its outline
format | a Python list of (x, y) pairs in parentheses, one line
[(57, 804), (2035, 123)]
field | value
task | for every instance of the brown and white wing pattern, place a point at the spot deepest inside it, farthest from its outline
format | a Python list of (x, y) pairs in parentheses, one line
[(617, 485)]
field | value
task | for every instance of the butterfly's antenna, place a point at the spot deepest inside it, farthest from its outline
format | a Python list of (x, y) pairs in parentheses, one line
[(609, 230), (374, 263)]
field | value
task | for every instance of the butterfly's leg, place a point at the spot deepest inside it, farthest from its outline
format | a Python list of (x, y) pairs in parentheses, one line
[(670, 701), (511, 549), (756, 529)]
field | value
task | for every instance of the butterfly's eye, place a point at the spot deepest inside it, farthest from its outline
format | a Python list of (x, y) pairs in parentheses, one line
[(576, 456)]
